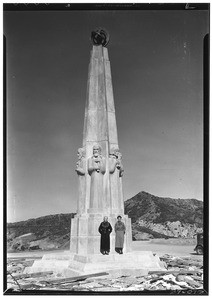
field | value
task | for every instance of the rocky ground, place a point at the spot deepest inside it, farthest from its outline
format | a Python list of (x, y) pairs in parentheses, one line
[(181, 274)]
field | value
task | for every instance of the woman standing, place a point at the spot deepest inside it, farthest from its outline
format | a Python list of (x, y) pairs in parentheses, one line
[(120, 231), (105, 229)]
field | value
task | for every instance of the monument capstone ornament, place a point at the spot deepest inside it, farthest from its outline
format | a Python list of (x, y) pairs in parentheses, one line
[(100, 171), (100, 36)]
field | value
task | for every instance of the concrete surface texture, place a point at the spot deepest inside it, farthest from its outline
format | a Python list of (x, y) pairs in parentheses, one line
[(74, 265), (99, 167)]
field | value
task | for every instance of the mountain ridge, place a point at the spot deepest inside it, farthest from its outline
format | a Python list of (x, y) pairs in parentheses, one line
[(152, 217), (144, 202)]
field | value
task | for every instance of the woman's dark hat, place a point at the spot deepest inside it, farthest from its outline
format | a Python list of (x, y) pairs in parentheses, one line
[(119, 217)]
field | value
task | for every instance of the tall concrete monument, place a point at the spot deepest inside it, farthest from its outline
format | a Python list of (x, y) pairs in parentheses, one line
[(99, 167), (100, 170)]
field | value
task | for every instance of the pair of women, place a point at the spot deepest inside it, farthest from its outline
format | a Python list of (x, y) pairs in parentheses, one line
[(105, 230)]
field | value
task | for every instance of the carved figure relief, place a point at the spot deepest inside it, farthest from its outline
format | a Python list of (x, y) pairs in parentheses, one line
[(116, 171), (81, 169), (96, 169), (116, 162)]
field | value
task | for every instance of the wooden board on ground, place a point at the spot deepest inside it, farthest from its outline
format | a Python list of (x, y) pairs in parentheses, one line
[(29, 275), (76, 278), (15, 259)]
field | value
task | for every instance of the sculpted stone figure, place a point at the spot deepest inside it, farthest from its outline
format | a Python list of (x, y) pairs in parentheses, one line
[(96, 169), (116, 162), (116, 172), (81, 169)]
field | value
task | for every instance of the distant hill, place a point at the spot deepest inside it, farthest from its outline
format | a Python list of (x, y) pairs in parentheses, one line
[(48, 232), (152, 217), (164, 217)]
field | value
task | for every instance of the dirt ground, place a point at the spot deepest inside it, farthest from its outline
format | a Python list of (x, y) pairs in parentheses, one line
[(175, 247)]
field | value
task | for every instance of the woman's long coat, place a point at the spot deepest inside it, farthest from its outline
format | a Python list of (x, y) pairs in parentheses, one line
[(105, 229), (120, 231)]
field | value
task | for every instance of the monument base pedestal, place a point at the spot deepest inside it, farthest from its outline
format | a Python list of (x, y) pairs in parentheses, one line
[(85, 238), (68, 264)]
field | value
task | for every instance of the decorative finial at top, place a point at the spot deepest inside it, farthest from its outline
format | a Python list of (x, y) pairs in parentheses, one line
[(100, 36)]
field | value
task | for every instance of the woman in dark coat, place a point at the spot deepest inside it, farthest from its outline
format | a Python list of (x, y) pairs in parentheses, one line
[(105, 229), (120, 232)]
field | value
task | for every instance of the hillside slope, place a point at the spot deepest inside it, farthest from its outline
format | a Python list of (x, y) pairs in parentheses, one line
[(152, 217), (164, 217), (48, 232)]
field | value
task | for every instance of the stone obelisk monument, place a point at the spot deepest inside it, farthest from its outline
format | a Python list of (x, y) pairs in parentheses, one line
[(99, 168), (100, 171)]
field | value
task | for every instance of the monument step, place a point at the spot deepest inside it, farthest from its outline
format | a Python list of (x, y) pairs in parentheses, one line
[(70, 265)]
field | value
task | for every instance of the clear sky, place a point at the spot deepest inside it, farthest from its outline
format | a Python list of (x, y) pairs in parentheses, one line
[(156, 61)]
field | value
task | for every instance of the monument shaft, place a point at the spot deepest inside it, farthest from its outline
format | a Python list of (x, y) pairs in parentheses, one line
[(100, 124), (100, 170), (99, 167)]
